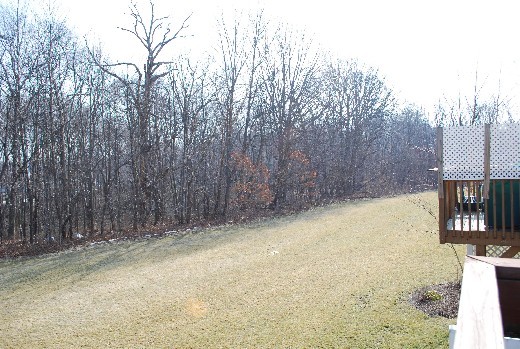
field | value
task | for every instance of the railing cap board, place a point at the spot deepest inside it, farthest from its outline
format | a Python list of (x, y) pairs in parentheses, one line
[(498, 262), (479, 323)]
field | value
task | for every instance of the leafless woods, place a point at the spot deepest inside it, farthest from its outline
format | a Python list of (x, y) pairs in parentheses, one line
[(266, 123)]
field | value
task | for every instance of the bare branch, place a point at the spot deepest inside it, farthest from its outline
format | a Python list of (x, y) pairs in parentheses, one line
[(134, 33), (123, 64), (165, 40), (105, 68)]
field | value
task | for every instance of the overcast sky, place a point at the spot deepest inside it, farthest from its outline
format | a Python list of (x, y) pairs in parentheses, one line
[(425, 49)]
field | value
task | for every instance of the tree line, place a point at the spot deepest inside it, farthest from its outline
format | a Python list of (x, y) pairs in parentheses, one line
[(266, 122)]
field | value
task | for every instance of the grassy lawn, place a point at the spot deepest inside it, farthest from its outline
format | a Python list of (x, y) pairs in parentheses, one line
[(333, 277)]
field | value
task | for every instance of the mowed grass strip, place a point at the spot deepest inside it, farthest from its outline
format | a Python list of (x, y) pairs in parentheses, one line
[(337, 276)]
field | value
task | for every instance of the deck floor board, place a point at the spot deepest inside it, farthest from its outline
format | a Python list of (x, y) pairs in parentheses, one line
[(466, 220)]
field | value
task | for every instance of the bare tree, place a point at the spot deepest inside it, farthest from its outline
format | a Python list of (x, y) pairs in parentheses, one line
[(18, 63), (233, 58), (154, 34), (290, 84), (359, 104), (190, 117)]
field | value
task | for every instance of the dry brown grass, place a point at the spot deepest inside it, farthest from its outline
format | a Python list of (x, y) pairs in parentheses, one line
[(333, 277)]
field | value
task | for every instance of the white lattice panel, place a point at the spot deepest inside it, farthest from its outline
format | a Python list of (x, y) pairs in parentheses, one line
[(463, 152), (505, 151), (497, 251)]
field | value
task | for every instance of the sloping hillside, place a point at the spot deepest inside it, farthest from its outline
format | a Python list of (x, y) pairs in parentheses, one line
[(337, 276)]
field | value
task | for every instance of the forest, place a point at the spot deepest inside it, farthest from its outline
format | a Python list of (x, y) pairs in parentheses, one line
[(265, 123)]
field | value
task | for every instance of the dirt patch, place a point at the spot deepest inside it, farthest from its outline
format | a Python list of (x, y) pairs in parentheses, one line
[(438, 300), (17, 248)]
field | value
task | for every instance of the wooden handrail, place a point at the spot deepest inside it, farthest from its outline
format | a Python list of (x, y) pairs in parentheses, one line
[(489, 306), (479, 322)]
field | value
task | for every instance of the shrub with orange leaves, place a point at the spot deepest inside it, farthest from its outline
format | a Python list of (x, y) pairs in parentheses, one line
[(251, 182)]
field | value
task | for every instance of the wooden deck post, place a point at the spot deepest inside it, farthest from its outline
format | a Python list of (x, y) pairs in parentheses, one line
[(487, 154), (440, 187), (480, 250)]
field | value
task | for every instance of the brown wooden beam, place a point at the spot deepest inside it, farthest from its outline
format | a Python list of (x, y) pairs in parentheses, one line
[(466, 239)]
